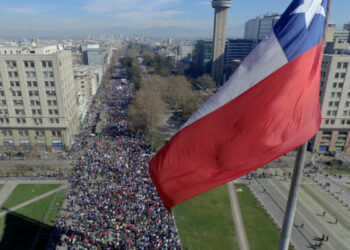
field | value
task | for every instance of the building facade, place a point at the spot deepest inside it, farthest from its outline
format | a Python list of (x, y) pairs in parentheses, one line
[(235, 49), (334, 133), (37, 98), (256, 29)]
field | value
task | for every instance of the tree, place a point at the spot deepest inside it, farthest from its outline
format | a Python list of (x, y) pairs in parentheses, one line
[(147, 110), (205, 82)]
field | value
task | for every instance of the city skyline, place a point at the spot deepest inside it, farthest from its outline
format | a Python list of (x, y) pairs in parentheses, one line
[(93, 15)]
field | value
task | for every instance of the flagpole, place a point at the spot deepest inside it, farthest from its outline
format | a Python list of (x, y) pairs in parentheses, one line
[(295, 183)]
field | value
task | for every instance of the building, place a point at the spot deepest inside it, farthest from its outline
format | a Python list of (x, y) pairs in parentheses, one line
[(82, 80), (332, 34), (334, 133), (203, 56), (235, 49), (37, 98), (185, 52), (92, 55), (256, 29)]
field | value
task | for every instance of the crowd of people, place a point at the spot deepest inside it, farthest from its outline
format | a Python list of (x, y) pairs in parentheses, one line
[(112, 203)]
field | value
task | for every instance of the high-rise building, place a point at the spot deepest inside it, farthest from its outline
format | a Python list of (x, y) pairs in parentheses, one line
[(235, 49), (334, 133), (203, 56), (256, 29), (37, 98)]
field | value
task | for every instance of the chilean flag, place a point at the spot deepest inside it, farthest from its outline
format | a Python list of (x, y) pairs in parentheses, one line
[(268, 107)]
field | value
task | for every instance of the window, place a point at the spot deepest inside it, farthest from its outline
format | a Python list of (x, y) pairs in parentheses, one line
[(336, 75), (338, 65), (340, 85), (345, 65), (34, 111), (342, 121), (342, 75), (37, 103), (347, 104), (49, 102), (2, 93), (332, 121), (330, 104), (334, 112), (35, 84), (29, 83), (334, 85), (29, 64), (51, 120), (36, 93), (46, 84), (54, 102), (30, 93), (52, 84), (336, 104), (333, 94), (17, 102), (345, 112), (339, 94), (327, 121), (11, 64), (50, 111), (56, 111), (32, 102), (329, 112)]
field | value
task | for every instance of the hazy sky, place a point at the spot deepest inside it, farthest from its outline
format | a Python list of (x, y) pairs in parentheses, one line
[(68, 15)]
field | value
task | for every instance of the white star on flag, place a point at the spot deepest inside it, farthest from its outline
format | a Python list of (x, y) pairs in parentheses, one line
[(311, 8)]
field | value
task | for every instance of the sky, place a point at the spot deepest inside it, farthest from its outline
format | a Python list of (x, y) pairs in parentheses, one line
[(85, 15)]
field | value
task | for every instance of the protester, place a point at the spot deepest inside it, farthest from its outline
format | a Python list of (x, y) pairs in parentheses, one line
[(112, 203)]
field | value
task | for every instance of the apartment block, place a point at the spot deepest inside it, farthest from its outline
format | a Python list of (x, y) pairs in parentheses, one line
[(334, 134), (37, 98)]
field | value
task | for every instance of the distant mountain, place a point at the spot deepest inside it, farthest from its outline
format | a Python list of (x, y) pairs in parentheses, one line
[(159, 32)]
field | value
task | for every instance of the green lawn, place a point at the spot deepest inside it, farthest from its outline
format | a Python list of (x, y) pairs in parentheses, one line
[(206, 222), (1, 185), (25, 192), (261, 232), (25, 222), (337, 170)]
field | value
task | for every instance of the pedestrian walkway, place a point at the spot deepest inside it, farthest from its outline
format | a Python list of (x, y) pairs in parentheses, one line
[(236, 212), (33, 200), (7, 190)]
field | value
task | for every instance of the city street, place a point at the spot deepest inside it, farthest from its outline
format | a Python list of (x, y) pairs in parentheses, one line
[(319, 212)]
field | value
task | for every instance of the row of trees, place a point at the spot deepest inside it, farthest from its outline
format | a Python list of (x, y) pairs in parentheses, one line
[(162, 93), (158, 98), (133, 70)]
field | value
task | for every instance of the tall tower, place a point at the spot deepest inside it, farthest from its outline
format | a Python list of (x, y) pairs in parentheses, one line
[(217, 69)]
